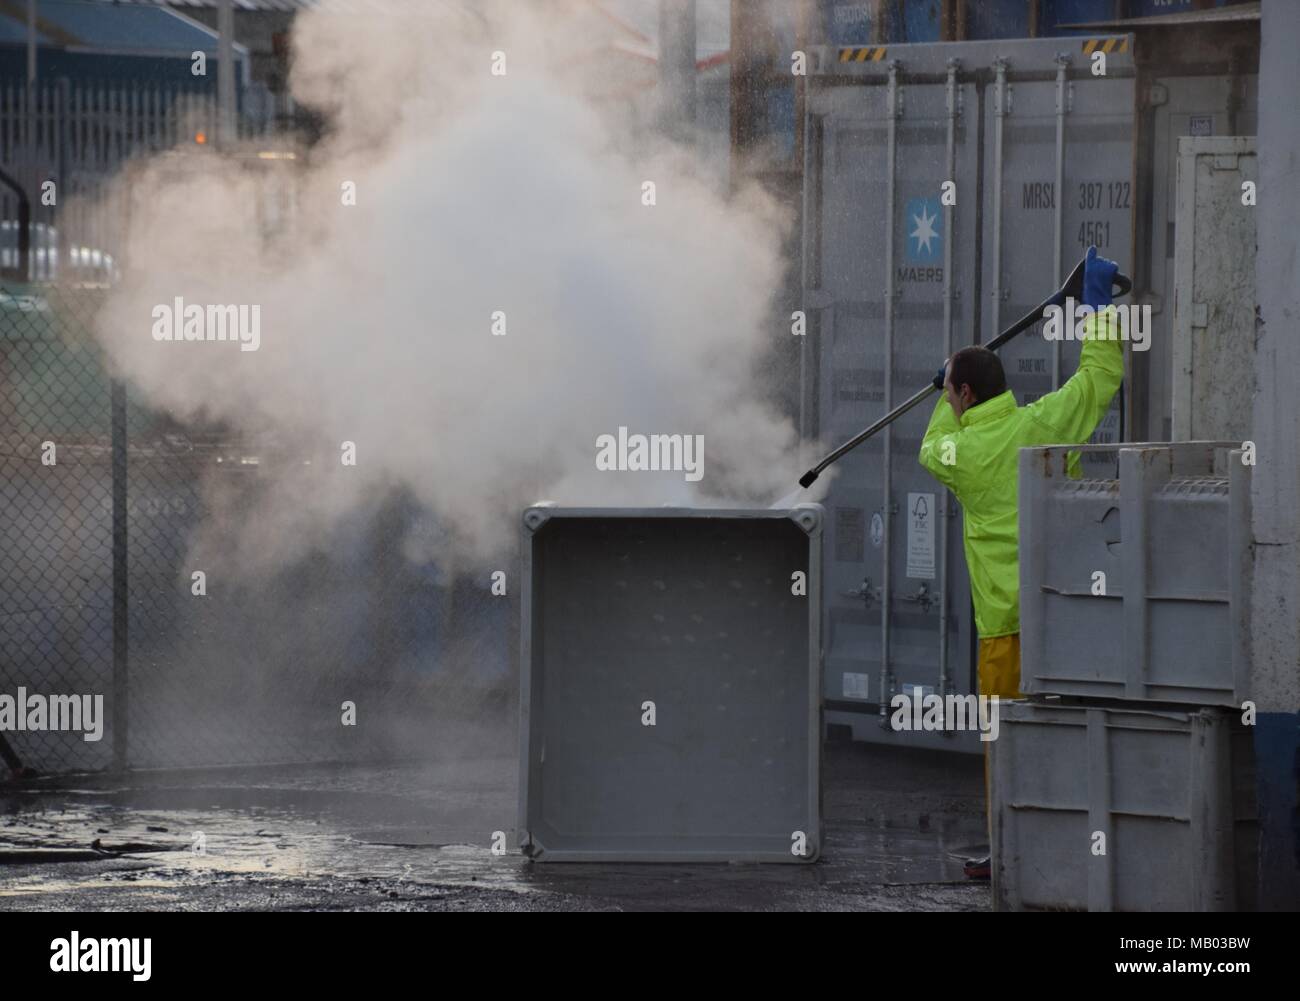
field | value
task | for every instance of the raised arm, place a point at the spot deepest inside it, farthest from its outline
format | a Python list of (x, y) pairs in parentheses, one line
[(1072, 413), (940, 442)]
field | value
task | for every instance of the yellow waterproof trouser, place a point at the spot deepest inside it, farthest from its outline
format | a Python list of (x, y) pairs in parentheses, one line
[(999, 667), (999, 674)]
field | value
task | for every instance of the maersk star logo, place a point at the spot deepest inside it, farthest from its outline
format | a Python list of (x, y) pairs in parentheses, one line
[(924, 230), (925, 234)]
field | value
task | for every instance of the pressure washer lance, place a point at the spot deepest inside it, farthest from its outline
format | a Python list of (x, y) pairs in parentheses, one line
[(1073, 287)]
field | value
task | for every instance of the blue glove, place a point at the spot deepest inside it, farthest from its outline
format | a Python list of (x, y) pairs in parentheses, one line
[(1098, 279)]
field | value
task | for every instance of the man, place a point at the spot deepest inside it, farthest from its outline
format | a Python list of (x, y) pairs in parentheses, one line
[(972, 447)]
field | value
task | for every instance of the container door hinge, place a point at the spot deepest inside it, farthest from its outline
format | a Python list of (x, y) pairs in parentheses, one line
[(867, 592), (922, 596)]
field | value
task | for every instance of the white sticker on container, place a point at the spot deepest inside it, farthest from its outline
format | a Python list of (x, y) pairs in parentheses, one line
[(920, 536), (855, 686)]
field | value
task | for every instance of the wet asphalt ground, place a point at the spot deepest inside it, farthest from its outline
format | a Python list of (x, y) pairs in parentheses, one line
[(418, 837)]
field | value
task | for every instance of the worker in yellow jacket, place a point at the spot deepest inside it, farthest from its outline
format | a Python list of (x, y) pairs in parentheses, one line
[(972, 447)]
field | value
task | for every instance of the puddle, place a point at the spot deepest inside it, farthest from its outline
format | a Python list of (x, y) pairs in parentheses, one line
[(356, 840)]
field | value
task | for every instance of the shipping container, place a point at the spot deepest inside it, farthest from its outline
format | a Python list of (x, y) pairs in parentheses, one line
[(1164, 8), (669, 702), (1116, 809), (1134, 584), (846, 22), (932, 221), (1055, 13), (1213, 369), (1052, 145), (860, 22), (919, 21), (997, 19), (1194, 79)]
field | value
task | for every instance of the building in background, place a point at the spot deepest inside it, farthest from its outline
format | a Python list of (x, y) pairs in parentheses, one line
[(103, 43), (111, 79), (263, 31)]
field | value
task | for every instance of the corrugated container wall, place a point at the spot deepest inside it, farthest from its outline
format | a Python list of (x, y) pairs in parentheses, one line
[(920, 21), (899, 271), (1053, 13), (1156, 8), (1135, 584), (850, 22), (1202, 83), (1214, 281), (846, 22), (1122, 810), (997, 19)]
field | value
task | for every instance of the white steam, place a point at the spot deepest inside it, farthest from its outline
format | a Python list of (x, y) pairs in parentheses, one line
[(475, 194)]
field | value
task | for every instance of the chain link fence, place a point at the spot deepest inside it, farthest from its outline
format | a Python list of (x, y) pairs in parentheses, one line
[(103, 501), (56, 541)]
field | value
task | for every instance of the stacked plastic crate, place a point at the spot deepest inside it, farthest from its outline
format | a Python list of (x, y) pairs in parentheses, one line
[(1125, 781)]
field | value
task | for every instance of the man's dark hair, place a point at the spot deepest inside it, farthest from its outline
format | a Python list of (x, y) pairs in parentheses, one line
[(979, 368)]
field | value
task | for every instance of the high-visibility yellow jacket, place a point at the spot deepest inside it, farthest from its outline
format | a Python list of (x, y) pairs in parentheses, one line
[(977, 459)]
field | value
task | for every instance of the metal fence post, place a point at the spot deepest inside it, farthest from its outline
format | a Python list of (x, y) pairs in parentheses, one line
[(61, 158), (120, 607)]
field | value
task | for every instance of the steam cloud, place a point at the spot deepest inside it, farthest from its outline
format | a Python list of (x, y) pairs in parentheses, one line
[(474, 193)]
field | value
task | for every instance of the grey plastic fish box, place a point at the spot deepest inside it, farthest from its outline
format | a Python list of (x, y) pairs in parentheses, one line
[(670, 684), (1122, 809), (1136, 588)]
